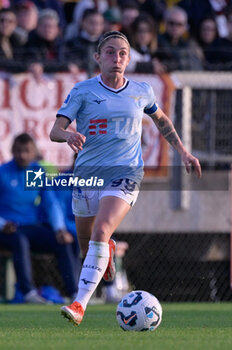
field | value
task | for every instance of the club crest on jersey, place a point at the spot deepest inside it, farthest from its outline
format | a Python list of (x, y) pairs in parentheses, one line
[(137, 98)]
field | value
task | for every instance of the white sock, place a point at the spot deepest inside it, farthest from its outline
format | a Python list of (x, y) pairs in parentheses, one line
[(93, 269)]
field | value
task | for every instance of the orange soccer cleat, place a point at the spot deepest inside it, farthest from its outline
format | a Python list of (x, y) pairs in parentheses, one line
[(110, 272), (74, 312)]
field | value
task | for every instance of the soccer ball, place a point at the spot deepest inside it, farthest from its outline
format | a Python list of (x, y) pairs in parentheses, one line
[(139, 311)]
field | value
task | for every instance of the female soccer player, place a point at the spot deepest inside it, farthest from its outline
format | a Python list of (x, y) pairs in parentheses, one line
[(108, 110)]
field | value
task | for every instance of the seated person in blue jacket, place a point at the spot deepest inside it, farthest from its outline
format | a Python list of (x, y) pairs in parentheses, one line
[(20, 228)]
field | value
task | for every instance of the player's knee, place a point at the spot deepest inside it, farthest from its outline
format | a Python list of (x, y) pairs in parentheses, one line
[(101, 232)]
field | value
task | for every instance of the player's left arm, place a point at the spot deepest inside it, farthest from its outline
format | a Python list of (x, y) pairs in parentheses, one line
[(167, 129)]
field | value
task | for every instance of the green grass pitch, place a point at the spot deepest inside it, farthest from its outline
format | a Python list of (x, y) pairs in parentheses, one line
[(199, 326)]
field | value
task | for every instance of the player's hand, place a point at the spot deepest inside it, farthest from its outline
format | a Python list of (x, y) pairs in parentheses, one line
[(64, 237), (191, 162), (9, 228), (75, 140)]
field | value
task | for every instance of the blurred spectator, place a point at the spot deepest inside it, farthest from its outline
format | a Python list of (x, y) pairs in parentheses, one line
[(10, 45), (144, 47), (206, 38), (69, 6), (221, 58), (45, 44), (171, 3), (20, 229), (130, 10), (207, 32), (112, 18), (81, 49), (198, 10), (27, 19), (156, 9), (37, 72), (175, 51), (224, 45), (100, 5), (56, 5), (5, 4)]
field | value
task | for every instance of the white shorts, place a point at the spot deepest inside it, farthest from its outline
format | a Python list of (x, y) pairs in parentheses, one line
[(85, 202)]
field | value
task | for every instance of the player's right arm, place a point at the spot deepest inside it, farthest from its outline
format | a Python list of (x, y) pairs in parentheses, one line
[(75, 140)]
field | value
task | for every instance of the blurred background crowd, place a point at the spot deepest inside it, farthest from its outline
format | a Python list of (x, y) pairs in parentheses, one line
[(165, 35)]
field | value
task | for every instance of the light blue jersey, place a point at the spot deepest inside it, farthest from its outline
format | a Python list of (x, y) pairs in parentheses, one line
[(111, 120)]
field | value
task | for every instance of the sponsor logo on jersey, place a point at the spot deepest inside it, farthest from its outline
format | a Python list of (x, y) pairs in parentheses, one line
[(124, 126), (99, 101), (98, 126)]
